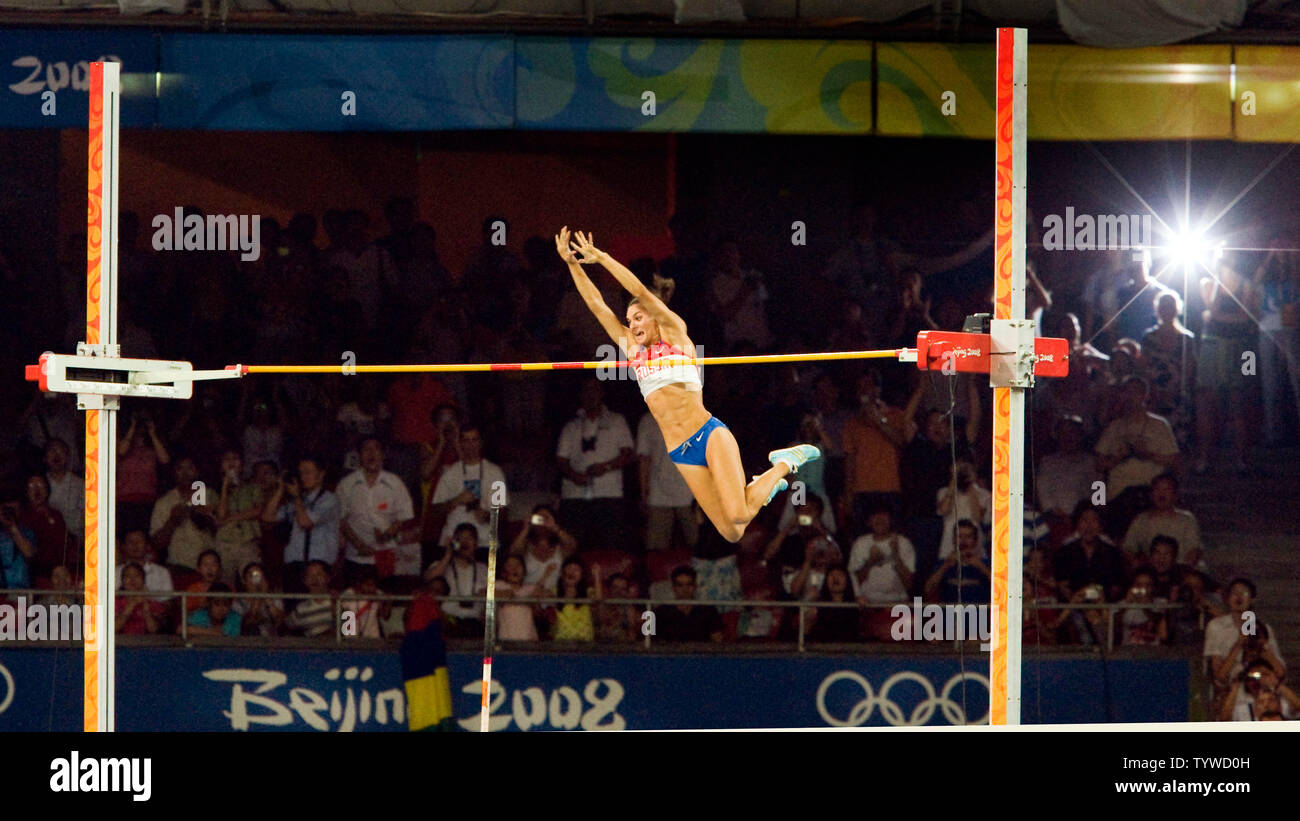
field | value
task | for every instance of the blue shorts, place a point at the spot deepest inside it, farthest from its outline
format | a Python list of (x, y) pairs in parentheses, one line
[(691, 452)]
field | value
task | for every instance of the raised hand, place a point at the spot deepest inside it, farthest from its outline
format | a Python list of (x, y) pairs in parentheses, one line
[(562, 245), (583, 245)]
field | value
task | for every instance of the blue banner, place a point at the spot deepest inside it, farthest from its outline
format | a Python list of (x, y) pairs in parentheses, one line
[(333, 83), (37, 62), (169, 690)]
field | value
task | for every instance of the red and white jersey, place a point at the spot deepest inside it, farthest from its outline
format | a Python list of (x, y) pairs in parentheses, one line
[(660, 365)]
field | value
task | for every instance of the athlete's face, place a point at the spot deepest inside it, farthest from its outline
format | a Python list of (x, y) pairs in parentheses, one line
[(644, 329)]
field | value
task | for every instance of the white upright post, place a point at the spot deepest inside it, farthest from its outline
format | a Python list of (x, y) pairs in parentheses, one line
[(1010, 374), (101, 411)]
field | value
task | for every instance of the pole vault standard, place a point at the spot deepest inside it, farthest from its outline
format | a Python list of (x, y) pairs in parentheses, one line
[(1012, 372), (99, 376), (101, 411)]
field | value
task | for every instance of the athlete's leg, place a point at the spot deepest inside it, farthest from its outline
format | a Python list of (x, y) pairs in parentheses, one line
[(700, 480), (740, 502)]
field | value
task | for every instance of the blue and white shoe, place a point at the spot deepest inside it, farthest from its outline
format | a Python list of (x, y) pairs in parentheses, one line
[(781, 485), (795, 457)]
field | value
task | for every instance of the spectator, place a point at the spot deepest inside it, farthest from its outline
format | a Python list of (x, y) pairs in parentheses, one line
[(1238, 635), (962, 498), (314, 514), (465, 577), (435, 458), (963, 578), (738, 295), (1066, 478), (687, 622), (516, 622), (136, 615), (758, 623), (1089, 558), (374, 507), (1163, 518), (834, 624), (813, 474), (313, 616), (615, 622), (53, 417), (139, 454), (1277, 281), (210, 573), (259, 616), (367, 275), (1134, 449), (799, 554), (239, 509), (67, 489), (1141, 625), (1169, 352), (363, 617), (217, 617), (1227, 333), (544, 546), (362, 417), (409, 401), (882, 562), (52, 541), (872, 442), (1199, 605), (1039, 620), (180, 530), (1166, 572), (16, 549), (489, 272), (1258, 691), (1081, 392), (272, 539), (926, 468), (263, 437), (592, 451), (665, 498), (571, 621), (864, 269), (467, 488), (134, 548)]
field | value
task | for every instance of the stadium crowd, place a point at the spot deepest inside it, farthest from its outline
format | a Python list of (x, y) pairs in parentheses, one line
[(344, 487)]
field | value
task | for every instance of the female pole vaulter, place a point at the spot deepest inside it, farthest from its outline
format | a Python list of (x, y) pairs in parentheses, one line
[(704, 449)]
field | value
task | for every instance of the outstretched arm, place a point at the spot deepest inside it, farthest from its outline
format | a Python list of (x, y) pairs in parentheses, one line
[(653, 304), (590, 293)]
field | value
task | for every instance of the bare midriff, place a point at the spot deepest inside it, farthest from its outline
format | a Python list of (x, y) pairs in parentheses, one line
[(679, 412)]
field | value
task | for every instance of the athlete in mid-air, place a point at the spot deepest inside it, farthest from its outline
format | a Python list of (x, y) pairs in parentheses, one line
[(704, 449)]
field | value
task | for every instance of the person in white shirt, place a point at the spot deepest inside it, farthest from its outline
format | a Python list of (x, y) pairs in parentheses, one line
[(1238, 637), (464, 577), (467, 488), (375, 506), (963, 498), (1066, 477), (67, 489), (592, 451), (1134, 449), (881, 563), (1164, 519), (543, 545), (134, 547), (665, 496)]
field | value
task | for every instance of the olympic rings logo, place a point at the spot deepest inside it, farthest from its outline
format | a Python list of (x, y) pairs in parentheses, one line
[(9, 689), (892, 712)]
